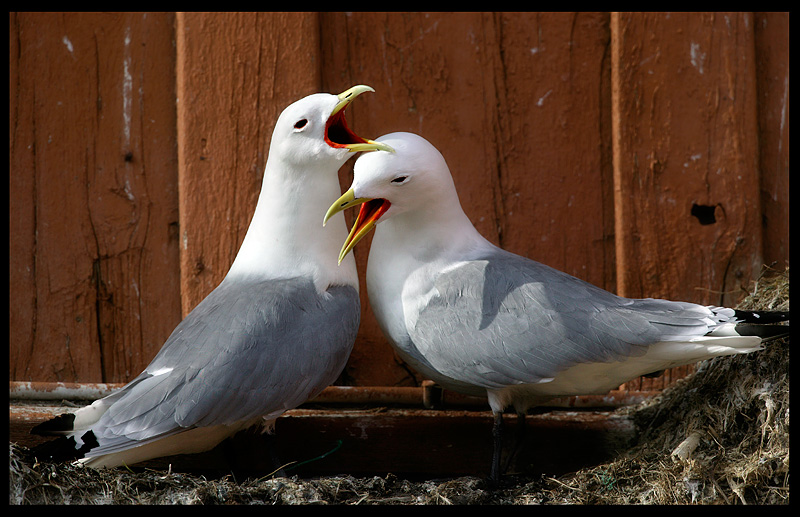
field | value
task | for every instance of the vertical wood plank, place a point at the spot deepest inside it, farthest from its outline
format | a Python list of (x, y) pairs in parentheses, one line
[(517, 103), (686, 170), (685, 159), (554, 141), (52, 138), (160, 266), (137, 275), (22, 208), (235, 74), (94, 194), (772, 58)]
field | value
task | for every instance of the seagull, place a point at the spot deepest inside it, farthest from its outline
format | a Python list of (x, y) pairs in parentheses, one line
[(277, 330), (480, 320)]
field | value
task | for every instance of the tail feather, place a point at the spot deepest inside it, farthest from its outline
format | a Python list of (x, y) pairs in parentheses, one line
[(60, 425), (74, 440), (65, 448)]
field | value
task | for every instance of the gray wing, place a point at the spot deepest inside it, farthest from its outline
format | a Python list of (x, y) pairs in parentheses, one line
[(247, 350), (509, 320)]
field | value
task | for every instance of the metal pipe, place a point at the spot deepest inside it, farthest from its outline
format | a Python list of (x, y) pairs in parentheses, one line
[(331, 395), (429, 395), (60, 390)]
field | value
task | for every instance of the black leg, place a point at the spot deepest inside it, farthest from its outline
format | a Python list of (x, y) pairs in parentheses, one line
[(231, 457), (273, 456), (497, 434), (519, 437), (520, 428)]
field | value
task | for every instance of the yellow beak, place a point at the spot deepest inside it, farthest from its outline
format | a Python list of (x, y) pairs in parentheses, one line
[(347, 96), (371, 210), (337, 134)]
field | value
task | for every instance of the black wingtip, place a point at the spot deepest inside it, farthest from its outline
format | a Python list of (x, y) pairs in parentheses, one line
[(765, 332), (65, 448), (59, 425), (762, 317), (58, 450)]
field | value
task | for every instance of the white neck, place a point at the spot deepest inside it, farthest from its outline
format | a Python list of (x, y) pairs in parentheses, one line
[(434, 231), (421, 242), (407, 253), (286, 237)]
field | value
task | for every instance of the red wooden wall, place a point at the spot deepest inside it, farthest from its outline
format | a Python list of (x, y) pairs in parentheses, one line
[(582, 140)]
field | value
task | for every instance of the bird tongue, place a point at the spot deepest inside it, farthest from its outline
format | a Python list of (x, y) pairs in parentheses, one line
[(368, 216), (370, 212), (338, 134)]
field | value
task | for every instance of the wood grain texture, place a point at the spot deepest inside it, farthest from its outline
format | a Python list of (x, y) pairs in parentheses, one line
[(685, 159), (772, 81), (685, 136), (93, 190), (581, 140)]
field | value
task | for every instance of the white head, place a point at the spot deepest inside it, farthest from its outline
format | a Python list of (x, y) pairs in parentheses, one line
[(415, 177), (313, 131)]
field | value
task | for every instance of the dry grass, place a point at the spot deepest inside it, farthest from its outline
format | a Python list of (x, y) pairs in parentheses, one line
[(721, 436)]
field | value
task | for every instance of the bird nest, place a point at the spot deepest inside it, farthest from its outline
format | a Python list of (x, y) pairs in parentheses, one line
[(720, 436)]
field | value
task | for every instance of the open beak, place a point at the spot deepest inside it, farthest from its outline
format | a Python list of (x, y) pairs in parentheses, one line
[(337, 134), (371, 210)]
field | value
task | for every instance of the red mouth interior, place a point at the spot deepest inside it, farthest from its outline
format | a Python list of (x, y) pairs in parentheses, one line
[(371, 211), (337, 134)]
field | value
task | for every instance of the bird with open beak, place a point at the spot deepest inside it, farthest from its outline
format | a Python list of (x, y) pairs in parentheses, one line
[(277, 330), (483, 321)]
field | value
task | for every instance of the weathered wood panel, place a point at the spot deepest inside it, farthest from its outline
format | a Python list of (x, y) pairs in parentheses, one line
[(521, 105), (686, 155), (772, 85), (94, 288)]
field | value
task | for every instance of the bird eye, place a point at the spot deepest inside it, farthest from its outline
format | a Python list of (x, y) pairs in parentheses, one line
[(400, 179), (300, 124)]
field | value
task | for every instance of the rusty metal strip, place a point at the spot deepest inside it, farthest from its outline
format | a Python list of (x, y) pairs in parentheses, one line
[(429, 395)]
